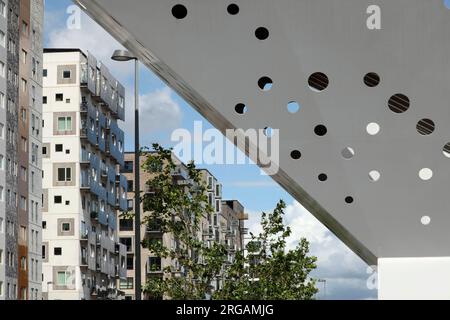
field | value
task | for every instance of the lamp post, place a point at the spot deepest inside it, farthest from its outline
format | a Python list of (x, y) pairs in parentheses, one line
[(324, 281), (122, 56)]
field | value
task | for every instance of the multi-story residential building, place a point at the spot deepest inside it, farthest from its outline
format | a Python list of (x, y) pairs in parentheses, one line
[(151, 266), (225, 225), (20, 142), (233, 220), (83, 190)]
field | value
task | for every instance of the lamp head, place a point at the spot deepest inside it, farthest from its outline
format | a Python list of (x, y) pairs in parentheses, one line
[(122, 55)]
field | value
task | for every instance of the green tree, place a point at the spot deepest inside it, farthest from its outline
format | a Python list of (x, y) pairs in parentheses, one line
[(177, 209), (267, 271)]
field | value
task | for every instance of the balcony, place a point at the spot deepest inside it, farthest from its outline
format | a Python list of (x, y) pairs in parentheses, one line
[(94, 215), (180, 173), (83, 133), (244, 231), (84, 76), (84, 235), (154, 227), (84, 107), (85, 182), (85, 158), (154, 265)]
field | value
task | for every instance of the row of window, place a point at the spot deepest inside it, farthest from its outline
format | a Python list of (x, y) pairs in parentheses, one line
[(59, 97)]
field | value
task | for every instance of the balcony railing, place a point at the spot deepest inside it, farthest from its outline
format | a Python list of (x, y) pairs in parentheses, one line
[(85, 156), (84, 75), (83, 133), (84, 107)]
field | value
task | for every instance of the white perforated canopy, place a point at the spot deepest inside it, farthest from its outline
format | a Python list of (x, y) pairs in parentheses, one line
[(362, 145)]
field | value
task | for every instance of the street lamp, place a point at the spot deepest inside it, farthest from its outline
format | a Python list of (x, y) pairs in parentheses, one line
[(48, 292), (123, 56), (324, 281)]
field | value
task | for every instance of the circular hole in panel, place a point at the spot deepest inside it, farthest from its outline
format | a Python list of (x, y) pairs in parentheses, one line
[(241, 108), (425, 127), (399, 103), (348, 153), (447, 4), (296, 154), (233, 9), (425, 174), (373, 128), (323, 177), (265, 83), (320, 130), (293, 107), (425, 220), (262, 33), (318, 81), (349, 200), (374, 175), (179, 11), (446, 150), (268, 132), (372, 79)]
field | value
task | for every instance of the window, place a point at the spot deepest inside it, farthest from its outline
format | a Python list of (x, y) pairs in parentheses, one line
[(130, 262), (44, 151), (154, 264), (58, 199), (64, 123), (128, 167), (3, 13), (126, 284), (2, 69), (44, 100), (65, 227), (128, 242), (24, 28), (1, 258), (130, 203), (62, 278), (23, 203), (2, 162), (2, 100), (58, 147), (59, 97), (44, 224), (44, 73), (66, 74), (23, 263), (24, 56), (126, 224), (57, 251), (130, 185), (2, 39), (64, 174), (24, 85)]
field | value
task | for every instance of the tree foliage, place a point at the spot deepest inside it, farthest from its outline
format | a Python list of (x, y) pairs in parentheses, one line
[(267, 270)]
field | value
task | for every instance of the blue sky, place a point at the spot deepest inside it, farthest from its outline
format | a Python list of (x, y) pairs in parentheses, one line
[(162, 111)]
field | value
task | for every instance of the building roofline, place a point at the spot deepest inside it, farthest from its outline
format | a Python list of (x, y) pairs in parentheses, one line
[(63, 50)]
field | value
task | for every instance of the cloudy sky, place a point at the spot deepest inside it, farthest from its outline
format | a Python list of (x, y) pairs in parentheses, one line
[(162, 111)]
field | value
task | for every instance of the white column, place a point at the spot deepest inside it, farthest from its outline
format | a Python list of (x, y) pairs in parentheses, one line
[(414, 278)]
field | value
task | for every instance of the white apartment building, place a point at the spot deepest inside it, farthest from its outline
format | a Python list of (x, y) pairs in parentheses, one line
[(83, 190)]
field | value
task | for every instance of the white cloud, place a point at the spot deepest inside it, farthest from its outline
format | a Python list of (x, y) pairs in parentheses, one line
[(344, 272), (90, 37), (158, 112)]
